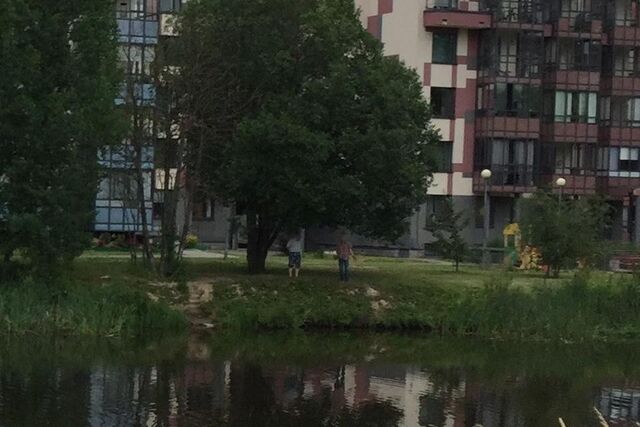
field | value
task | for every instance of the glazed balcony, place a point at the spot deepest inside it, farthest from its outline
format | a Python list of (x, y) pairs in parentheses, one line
[(577, 19), (623, 22), (455, 14), (506, 179), (516, 14)]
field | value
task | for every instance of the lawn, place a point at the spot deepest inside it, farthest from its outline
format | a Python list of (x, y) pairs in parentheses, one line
[(388, 293)]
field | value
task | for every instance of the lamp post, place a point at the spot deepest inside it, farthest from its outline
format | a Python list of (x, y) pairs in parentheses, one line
[(560, 183), (486, 176)]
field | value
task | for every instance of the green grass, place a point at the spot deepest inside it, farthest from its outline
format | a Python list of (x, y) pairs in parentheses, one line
[(414, 294), (384, 294), (100, 308)]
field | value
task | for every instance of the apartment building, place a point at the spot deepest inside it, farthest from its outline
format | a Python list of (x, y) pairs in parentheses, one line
[(534, 90), (144, 28)]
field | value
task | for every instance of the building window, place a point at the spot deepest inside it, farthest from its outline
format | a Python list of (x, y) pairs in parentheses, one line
[(626, 61), (516, 100), (571, 54), (624, 162), (443, 102), (479, 213), (436, 206), (444, 4), (575, 107), (443, 156), (575, 159), (204, 210), (510, 160), (620, 111), (445, 47), (628, 160)]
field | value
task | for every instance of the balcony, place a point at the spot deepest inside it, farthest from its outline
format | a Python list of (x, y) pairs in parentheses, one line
[(623, 22), (508, 127), (451, 14), (507, 179)]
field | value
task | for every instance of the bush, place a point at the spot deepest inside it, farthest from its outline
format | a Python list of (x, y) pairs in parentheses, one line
[(191, 241)]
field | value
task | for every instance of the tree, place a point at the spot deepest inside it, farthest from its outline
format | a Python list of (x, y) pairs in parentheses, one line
[(58, 80), (564, 231), (446, 227), (313, 124)]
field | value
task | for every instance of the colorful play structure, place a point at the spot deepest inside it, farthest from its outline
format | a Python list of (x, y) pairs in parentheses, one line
[(524, 257)]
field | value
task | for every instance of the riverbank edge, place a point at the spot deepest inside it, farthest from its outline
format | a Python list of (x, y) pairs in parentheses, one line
[(573, 310), (110, 310)]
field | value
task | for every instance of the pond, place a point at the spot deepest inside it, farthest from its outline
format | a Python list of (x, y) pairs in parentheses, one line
[(317, 380)]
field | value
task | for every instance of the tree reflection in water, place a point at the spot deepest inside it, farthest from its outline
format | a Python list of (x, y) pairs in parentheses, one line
[(437, 384)]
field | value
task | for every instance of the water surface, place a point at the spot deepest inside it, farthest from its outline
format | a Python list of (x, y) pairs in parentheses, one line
[(316, 380)]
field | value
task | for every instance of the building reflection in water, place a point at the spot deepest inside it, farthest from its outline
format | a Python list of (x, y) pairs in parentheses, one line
[(209, 393)]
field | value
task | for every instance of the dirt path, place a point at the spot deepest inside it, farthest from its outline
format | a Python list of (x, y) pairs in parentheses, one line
[(200, 293)]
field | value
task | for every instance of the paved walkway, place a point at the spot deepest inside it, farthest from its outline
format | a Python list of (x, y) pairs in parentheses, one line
[(188, 253)]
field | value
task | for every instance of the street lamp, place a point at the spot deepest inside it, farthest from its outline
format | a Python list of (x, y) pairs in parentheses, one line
[(560, 183), (486, 176)]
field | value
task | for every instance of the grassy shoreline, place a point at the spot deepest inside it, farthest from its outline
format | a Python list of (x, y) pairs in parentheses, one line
[(574, 310), (76, 309), (385, 294)]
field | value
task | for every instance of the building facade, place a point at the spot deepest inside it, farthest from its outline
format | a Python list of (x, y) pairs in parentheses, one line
[(144, 30), (533, 90)]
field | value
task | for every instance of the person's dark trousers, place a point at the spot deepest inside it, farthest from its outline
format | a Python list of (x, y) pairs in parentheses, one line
[(344, 269)]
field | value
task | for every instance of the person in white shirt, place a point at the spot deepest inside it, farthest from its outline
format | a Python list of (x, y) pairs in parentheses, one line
[(294, 246)]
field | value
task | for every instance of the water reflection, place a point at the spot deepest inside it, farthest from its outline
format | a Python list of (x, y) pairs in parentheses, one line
[(203, 385)]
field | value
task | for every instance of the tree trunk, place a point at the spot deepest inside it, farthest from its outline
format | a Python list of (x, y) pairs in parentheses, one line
[(261, 235), (147, 251)]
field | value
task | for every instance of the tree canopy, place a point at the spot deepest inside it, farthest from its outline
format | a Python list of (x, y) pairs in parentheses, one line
[(58, 80), (313, 125), (564, 231)]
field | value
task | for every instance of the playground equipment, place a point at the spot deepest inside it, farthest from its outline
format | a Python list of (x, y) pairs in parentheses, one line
[(525, 257)]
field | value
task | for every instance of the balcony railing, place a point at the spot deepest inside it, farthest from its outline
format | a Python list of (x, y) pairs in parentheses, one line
[(515, 11), (442, 4)]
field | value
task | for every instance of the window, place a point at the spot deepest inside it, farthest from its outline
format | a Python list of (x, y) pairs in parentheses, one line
[(624, 161), (443, 102), (479, 213), (443, 156), (626, 61), (436, 205), (633, 112), (170, 5), (204, 210), (575, 107), (445, 47), (628, 160), (576, 54), (620, 111), (511, 160), (516, 100), (575, 159), (445, 4)]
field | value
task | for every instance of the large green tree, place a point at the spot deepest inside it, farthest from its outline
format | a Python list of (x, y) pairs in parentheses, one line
[(564, 231), (312, 124), (58, 80)]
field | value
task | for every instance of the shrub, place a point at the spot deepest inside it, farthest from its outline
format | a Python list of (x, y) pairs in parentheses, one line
[(191, 241)]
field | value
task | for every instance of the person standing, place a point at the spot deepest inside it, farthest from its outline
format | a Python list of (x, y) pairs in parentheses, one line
[(344, 252), (294, 247)]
